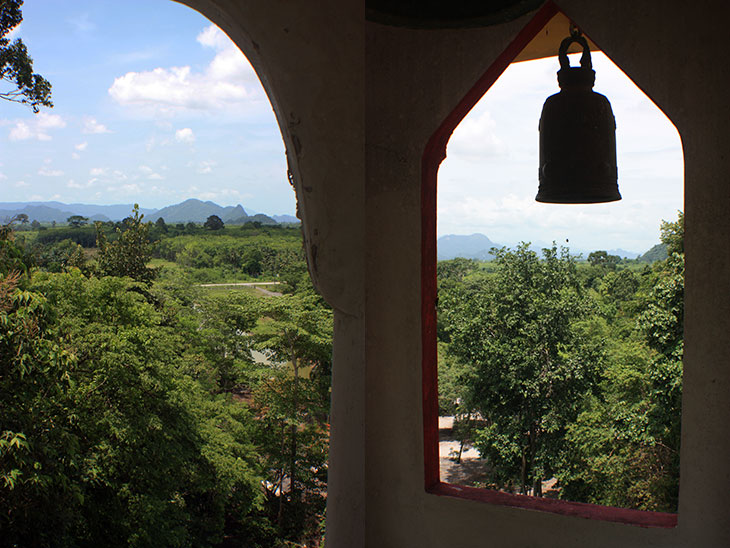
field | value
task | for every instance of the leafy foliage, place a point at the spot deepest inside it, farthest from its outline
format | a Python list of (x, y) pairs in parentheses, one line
[(129, 254), (568, 371), (134, 414), (530, 369), (16, 66), (213, 222)]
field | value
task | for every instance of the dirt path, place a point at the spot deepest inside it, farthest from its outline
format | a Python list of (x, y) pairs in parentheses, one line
[(255, 285), (240, 284), (470, 469)]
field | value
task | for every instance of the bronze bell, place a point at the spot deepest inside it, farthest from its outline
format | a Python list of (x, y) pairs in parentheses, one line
[(577, 137)]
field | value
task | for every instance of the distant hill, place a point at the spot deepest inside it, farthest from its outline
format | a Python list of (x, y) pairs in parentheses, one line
[(623, 253), (197, 211), (46, 212), (258, 218), (285, 218), (656, 253), (191, 210), (475, 246), (41, 213)]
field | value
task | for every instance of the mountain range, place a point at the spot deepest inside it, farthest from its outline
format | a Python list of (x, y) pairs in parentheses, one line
[(474, 246), (477, 246), (192, 210)]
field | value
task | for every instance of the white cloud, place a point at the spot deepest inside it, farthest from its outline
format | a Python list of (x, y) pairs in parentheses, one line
[(21, 184), (213, 37), (205, 167), (476, 138), (20, 132), (3, 176), (227, 82), (36, 128), (81, 146), (132, 188), (185, 135), (97, 171), (45, 172), (150, 173), (92, 126)]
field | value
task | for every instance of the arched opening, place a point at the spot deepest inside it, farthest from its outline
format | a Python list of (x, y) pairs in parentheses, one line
[(175, 425), (515, 204)]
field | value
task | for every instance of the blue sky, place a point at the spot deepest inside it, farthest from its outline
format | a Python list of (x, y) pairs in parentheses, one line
[(152, 104), (155, 105), (488, 181)]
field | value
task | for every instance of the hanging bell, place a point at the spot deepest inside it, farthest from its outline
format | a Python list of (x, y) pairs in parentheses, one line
[(577, 137)]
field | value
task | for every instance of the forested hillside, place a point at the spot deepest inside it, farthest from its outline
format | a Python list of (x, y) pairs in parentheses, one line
[(568, 372), (142, 409), (147, 403)]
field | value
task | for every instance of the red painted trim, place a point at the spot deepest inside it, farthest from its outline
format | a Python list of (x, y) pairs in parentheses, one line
[(433, 155), (640, 518)]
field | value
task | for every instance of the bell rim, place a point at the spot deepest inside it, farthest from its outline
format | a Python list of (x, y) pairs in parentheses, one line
[(574, 199)]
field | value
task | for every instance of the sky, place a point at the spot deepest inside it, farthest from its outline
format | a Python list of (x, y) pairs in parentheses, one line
[(488, 182), (154, 105)]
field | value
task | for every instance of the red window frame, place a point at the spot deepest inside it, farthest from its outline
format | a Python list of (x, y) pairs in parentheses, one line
[(433, 155)]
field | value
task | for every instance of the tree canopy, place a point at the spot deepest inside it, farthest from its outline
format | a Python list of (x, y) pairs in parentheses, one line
[(528, 369), (16, 66), (133, 410), (129, 254), (213, 222), (569, 372)]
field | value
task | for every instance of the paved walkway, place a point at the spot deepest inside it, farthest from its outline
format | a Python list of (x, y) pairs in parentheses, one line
[(471, 468), (240, 284), (256, 285)]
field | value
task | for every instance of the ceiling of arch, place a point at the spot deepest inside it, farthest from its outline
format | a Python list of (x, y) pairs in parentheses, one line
[(440, 14), (437, 14)]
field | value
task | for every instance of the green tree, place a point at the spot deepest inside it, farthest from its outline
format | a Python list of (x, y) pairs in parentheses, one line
[(161, 225), (16, 66), (625, 443), (529, 369), (57, 257), (13, 258), (672, 234), (296, 332), (213, 222), (129, 254), (662, 323), (603, 259), (107, 435), (221, 322), (77, 221)]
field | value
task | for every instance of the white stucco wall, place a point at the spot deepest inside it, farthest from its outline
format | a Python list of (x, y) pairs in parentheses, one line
[(357, 102)]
